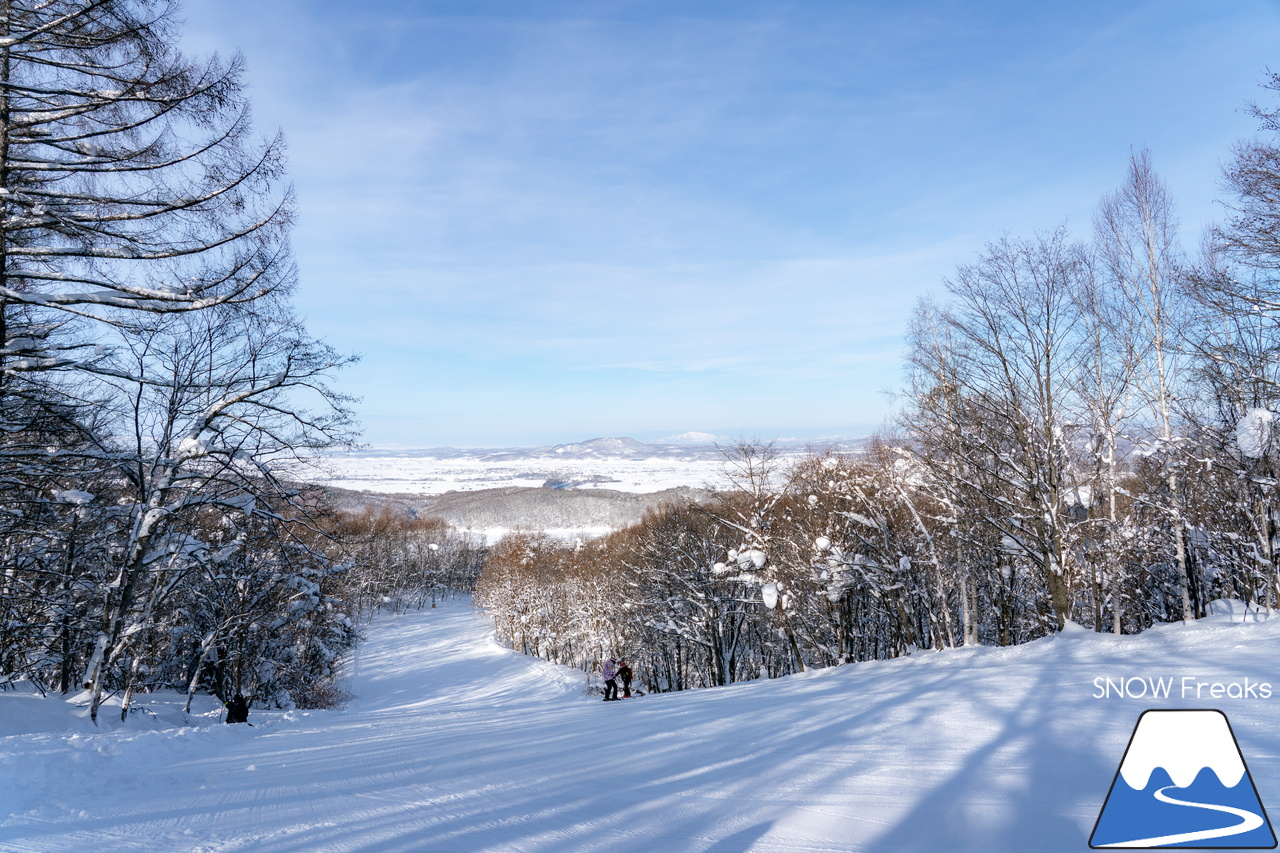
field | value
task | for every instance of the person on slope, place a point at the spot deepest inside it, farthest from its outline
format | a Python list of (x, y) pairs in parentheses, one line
[(237, 709), (624, 675), (610, 685)]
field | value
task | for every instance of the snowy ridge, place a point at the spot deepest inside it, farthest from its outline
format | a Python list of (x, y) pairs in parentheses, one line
[(1183, 744), (625, 448)]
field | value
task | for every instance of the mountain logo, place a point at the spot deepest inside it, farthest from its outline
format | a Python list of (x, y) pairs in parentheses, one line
[(1183, 783)]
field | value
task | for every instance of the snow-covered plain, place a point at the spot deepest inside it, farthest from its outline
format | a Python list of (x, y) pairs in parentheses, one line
[(620, 464), (434, 473), (455, 744)]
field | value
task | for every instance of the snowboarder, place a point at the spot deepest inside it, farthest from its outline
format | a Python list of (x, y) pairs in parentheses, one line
[(610, 685), (237, 709), (624, 673)]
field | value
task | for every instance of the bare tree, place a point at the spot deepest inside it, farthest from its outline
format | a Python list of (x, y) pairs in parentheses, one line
[(1251, 233), (211, 402), (999, 404), (1237, 285), (750, 510), (1105, 390), (1135, 232)]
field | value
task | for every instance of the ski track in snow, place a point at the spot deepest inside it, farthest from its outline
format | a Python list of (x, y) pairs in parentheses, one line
[(456, 744)]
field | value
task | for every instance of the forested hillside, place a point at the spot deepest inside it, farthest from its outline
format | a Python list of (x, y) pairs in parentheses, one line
[(525, 509)]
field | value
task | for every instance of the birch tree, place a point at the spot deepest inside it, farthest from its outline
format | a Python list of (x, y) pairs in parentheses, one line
[(1136, 236), (686, 598), (751, 512), (1105, 389)]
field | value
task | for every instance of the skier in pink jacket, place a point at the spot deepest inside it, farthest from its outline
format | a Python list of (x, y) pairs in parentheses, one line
[(610, 684)]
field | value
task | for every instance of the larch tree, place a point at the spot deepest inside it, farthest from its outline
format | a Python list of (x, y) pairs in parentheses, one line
[(152, 374), (130, 184)]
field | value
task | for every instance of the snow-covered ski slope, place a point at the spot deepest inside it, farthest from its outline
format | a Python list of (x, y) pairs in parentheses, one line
[(455, 744)]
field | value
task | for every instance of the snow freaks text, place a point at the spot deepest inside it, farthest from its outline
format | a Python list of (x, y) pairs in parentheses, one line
[(1179, 687)]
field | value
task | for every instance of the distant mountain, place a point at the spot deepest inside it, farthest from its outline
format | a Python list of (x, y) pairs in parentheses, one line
[(627, 448), (606, 448), (685, 446)]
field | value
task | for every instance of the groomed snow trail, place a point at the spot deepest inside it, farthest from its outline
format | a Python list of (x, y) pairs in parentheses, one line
[(456, 744)]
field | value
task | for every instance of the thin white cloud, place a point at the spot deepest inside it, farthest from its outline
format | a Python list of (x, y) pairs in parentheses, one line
[(582, 202)]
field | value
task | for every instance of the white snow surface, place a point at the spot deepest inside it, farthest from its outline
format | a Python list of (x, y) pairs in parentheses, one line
[(455, 744), (424, 473), (73, 496), (621, 464)]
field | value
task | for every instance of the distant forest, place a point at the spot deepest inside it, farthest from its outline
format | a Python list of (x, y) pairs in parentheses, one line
[(1088, 434)]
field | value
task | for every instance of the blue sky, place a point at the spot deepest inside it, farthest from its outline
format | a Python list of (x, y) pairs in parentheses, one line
[(542, 222)]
